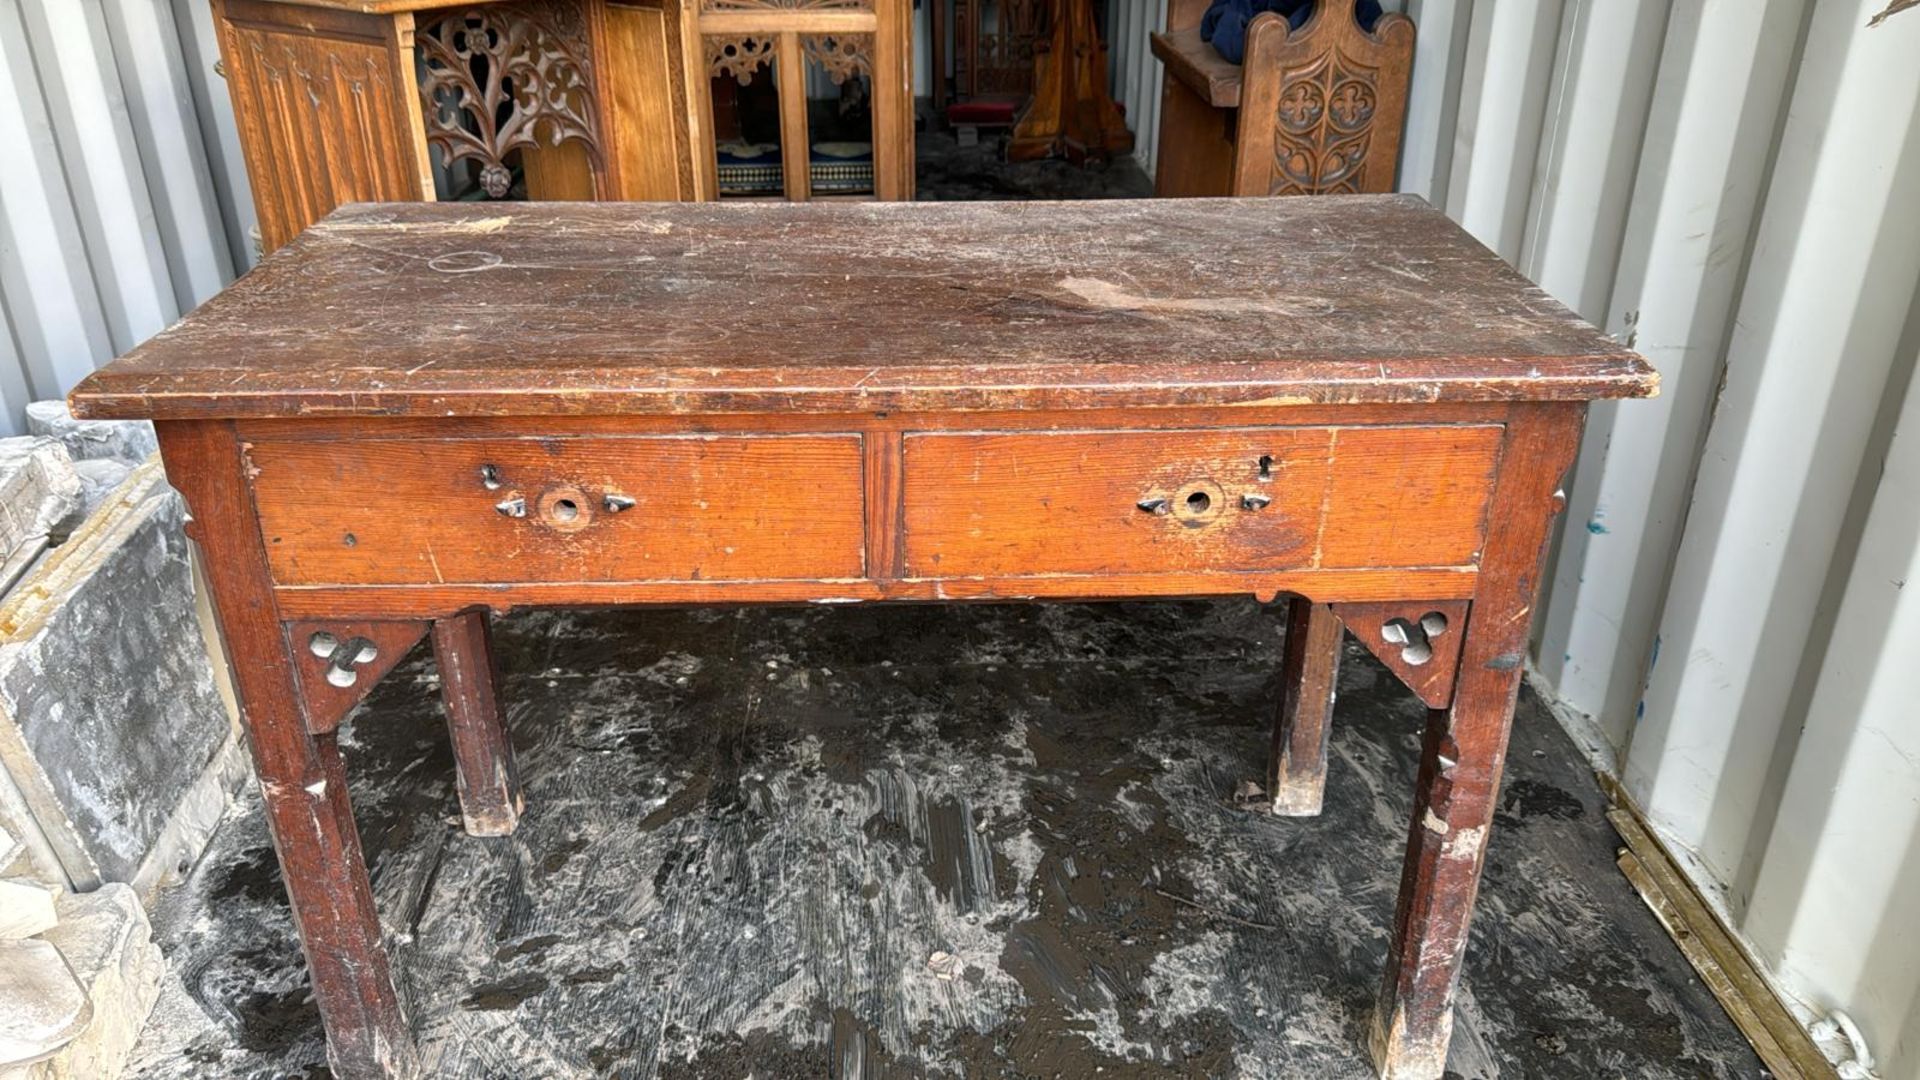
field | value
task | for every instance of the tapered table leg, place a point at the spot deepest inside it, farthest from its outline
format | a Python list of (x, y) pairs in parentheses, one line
[(1297, 767), (302, 780), (490, 796), (1465, 750)]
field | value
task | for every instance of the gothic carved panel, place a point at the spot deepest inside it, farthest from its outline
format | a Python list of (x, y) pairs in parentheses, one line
[(504, 77), (314, 102), (841, 56), (994, 45), (738, 55), (1325, 126), (1327, 102)]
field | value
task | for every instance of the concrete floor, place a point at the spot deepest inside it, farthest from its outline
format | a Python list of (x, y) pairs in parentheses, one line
[(948, 172), (752, 834)]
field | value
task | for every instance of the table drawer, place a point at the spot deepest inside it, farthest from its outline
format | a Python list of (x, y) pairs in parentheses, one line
[(987, 504), (638, 508)]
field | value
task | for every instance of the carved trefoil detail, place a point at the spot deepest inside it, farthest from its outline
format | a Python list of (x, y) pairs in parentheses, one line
[(505, 77), (337, 663), (1324, 126), (841, 56)]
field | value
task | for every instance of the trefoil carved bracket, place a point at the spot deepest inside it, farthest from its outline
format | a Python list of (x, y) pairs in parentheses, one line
[(1419, 642), (337, 663)]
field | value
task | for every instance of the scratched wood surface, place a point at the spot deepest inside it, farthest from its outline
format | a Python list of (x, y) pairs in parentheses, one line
[(548, 309)]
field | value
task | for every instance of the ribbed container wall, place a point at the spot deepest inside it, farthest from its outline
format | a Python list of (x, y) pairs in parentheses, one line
[(123, 202), (1731, 185)]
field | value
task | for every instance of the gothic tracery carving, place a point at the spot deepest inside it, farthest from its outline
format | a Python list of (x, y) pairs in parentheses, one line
[(841, 56), (738, 55), (499, 78), (1324, 126)]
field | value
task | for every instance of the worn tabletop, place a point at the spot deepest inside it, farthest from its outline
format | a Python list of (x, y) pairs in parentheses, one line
[(576, 308)]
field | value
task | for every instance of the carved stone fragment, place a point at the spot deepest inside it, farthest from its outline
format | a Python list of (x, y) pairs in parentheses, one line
[(128, 441), (108, 944), (38, 490)]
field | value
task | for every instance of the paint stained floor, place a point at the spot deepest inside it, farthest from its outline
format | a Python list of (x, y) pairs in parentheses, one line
[(988, 841)]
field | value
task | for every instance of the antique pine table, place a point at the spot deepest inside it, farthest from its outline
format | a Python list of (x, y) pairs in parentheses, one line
[(415, 414)]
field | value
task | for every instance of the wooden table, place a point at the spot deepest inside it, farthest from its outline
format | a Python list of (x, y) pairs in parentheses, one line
[(417, 414)]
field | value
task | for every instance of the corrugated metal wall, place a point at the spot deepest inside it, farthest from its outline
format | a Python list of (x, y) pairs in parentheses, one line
[(114, 218), (1734, 185)]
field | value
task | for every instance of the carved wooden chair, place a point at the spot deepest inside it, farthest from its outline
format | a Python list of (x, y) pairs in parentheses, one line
[(1311, 111)]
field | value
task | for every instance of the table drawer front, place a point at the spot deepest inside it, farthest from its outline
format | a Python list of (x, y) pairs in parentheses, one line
[(1013, 504), (641, 508)]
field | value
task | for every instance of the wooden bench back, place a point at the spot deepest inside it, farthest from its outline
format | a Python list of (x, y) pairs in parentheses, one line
[(1321, 108)]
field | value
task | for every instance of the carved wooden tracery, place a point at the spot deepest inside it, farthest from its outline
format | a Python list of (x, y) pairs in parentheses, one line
[(738, 55), (1324, 128), (504, 77), (841, 56)]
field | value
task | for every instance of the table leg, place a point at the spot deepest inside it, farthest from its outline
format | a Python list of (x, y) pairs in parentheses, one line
[(1297, 767), (302, 780), (1465, 750), (490, 796)]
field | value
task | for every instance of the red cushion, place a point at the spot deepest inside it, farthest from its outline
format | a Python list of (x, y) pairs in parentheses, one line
[(981, 112)]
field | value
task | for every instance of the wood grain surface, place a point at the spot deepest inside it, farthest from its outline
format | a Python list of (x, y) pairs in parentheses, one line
[(569, 309), (427, 513), (1277, 499), (325, 103), (1199, 66)]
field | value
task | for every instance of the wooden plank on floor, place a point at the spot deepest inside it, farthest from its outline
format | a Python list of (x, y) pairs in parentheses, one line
[(1725, 968)]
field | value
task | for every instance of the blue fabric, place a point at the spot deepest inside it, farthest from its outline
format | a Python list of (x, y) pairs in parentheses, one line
[(1224, 24)]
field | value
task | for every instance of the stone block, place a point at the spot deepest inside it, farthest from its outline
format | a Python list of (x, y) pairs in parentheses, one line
[(38, 489), (128, 441), (98, 479), (26, 907), (43, 1006), (108, 944), (108, 712)]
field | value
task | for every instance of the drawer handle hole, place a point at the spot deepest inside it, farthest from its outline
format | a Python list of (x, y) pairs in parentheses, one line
[(1199, 502), (565, 509)]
